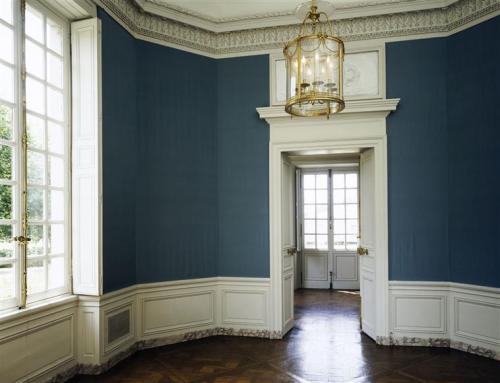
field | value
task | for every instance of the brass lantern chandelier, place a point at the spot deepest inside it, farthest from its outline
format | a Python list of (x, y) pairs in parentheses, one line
[(314, 62)]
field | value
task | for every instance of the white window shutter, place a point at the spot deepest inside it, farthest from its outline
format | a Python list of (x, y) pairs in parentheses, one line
[(86, 157)]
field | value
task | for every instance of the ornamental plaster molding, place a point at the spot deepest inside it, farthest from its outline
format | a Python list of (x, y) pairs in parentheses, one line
[(416, 24)]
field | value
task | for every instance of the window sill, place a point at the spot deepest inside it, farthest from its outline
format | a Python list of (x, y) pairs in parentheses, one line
[(41, 307)]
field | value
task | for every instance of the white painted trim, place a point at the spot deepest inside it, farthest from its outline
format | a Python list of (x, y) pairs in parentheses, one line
[(86, 156), (252, 21), (465, 316), (361, 125)]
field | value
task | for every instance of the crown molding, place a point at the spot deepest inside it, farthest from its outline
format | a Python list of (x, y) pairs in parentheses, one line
[(393, 26), (262, 20)]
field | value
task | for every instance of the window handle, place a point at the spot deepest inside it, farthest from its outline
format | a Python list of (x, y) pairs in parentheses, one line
[(22, 239)]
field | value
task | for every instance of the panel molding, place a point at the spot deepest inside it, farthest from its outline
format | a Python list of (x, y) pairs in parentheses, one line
[(467, 317)]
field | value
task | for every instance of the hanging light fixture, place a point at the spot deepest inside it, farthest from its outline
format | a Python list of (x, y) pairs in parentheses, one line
[(314, 68)]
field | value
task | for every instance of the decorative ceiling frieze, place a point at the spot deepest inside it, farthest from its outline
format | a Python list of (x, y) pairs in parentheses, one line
[(170, 32)]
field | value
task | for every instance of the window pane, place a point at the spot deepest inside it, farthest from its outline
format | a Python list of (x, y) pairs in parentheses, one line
[(351, 211), (36, 276), (6, 43), (309, 181), (54, 70), (7, 81), (36, 245), (322, 226), (338, 196), (309, 242), (56, 238), (339, 242), (35, 60), (338, 226), (5, 162), (351, 180), (5, 202), (56, 138), (6, 10), (5, 122), (309, 226), (56, 171), (6, 243), (321, 181), (35, 95), (36, 132), (7, 282), (36, 168), (338, 181), (35, 203), (54, 36), (322, 242), (56, 203), (338, 211), (309, 196), (322, 211), (351, 195), (55, 104), (56, 272), (34, 24), (309, 211), (352, 226), (352, 242), (321, 196)]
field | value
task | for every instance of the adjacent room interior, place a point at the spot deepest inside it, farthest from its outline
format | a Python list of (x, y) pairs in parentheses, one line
[(249, 191)]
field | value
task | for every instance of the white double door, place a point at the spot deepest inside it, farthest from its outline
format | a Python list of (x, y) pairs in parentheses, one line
[(329, 227)]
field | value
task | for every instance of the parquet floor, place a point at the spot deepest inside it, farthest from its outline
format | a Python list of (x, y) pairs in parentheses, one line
[(325, 346)]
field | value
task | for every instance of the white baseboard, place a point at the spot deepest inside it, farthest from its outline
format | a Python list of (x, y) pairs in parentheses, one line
[(465, 317)]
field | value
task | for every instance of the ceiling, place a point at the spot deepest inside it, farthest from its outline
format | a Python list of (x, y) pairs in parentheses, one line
[(231, 15)]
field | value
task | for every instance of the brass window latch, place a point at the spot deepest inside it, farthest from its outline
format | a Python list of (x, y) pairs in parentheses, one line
[(22, 239)]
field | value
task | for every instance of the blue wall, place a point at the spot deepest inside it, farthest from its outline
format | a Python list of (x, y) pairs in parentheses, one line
[(243, 167), (177, 178), (418, 161), (120, 116), (186, 161), (474, 141)]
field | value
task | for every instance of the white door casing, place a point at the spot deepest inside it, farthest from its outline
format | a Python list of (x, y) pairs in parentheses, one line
[(362, 124), (289, 248)]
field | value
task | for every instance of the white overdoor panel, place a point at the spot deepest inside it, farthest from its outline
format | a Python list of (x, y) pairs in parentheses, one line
[(87, 172), (367, 243), (289, 250)]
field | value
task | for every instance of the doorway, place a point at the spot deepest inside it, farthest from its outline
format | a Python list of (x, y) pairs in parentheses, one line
[(327, 221)]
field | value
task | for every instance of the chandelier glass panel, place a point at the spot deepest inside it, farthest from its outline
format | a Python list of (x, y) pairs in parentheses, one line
[(314, 68)]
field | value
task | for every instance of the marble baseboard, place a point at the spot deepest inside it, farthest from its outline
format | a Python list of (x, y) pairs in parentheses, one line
[(437, 342)]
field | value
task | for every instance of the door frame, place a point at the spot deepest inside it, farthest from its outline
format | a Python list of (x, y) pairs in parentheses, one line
[(361, 125)]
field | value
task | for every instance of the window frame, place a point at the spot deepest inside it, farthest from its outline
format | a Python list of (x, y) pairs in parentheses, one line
[(21, 159)]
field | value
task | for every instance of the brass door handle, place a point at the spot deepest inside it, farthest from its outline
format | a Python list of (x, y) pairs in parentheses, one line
[(22, 239), (291, 251), (362, 251)]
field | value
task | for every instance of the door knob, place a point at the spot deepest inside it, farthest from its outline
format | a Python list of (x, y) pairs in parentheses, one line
[(291, 251), (362, 251)]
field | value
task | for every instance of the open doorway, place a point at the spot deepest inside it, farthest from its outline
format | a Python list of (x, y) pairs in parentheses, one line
[(327, 220), (328, 230)]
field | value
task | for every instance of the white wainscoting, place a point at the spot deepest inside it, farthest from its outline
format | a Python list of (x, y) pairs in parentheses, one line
[(466, 317), (89, 334), (38, 344)]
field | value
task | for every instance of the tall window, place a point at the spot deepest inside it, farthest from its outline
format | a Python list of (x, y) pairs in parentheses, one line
[(34, 166)]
